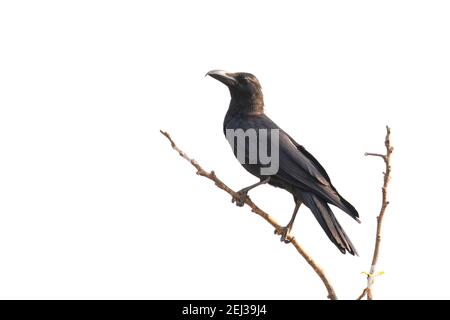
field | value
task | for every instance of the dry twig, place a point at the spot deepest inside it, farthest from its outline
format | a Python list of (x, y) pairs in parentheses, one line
[(220, 184), (384, 203)]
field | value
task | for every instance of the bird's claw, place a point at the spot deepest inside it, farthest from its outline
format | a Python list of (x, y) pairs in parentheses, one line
[(242, 196), (284, 234)]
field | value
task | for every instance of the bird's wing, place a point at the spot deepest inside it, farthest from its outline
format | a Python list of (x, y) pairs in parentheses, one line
[(296, 160), (299, 168)]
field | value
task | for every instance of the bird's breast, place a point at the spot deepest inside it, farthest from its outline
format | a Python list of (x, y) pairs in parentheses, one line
[(253, 143)]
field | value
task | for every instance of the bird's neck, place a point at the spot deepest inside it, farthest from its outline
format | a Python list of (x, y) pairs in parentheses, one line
[(239, 109), (248, 106)]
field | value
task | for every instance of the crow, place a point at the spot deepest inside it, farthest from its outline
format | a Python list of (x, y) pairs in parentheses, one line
[(298, 171)]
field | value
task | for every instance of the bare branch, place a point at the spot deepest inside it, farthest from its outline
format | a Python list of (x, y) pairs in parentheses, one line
[(384, 203), (374, 154), (220, 184), (362, 295)]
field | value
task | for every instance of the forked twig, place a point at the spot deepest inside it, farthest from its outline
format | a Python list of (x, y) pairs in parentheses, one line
[(384, 203)]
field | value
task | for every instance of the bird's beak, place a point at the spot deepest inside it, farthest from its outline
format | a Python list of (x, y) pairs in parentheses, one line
[(226, 78)]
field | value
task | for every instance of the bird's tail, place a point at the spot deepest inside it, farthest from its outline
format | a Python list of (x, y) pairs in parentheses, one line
[(349, 209), (329, 223)]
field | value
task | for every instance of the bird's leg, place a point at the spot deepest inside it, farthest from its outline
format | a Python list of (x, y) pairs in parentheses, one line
[(287, 229), (243, 192)]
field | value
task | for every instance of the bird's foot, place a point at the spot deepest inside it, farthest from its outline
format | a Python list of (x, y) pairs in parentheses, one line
[(242, 196), (285, 232)]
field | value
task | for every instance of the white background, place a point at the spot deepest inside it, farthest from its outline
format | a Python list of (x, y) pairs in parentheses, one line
[(95, 204)]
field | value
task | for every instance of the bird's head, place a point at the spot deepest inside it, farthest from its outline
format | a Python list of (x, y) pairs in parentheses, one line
[(245, 89)]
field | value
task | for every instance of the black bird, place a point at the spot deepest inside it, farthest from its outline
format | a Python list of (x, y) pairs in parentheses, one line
[(298, 172)]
